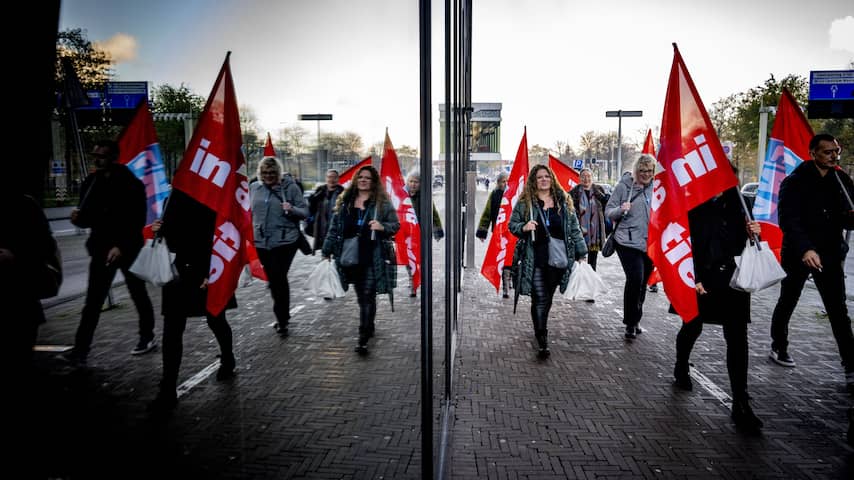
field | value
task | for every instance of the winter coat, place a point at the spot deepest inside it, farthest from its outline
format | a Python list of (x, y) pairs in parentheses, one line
[(633, 229), (813, 211), (718, 233), (490, 213), (114, 207), (523, 255), (321, 207), (272, 226), (188, 228), (602, 198), (382, 256), (438, 233)]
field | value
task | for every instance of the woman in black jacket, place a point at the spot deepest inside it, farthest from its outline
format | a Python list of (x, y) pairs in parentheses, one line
[(188, 228), (719, 232)]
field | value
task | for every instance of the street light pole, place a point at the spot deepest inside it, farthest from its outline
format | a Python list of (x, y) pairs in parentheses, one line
[(318, 117), (620, 114)]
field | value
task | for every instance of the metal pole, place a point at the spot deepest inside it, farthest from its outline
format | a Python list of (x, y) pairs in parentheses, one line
[(763, 137), (620, 145), (424, 13), (318, 150)]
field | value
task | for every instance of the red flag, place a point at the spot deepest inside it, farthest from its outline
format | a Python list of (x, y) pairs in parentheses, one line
[(408, 238), (140, 151), (787, 148), (567, 177), (499, 253), (649, 149), (213, 172), (269, 151), (648, 145), (347, 175), (694, 168)]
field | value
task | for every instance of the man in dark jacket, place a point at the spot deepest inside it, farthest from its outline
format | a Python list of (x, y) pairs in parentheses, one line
[(815, 206), (320, 207), (113, 206)]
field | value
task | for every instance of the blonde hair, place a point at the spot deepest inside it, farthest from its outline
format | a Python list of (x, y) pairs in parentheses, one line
[(269, 162), (643, 160)]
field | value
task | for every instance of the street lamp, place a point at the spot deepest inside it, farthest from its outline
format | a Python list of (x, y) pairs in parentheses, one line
[(319, 117), (620, 114)]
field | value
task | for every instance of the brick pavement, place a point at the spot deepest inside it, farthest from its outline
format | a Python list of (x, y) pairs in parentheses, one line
[(309, 407)]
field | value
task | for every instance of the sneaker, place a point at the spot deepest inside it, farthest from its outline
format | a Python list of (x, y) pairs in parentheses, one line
[(506, 295), (638, 330), (682, 378), (144, 347), (226, 368), (282, 330), (630, 333), (781, 357), (653, 288)]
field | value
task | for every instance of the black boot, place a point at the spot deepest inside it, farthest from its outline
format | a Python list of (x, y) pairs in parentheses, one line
[(362, 347), (744, 417), (226, 367), (682, 377), (543, 342)]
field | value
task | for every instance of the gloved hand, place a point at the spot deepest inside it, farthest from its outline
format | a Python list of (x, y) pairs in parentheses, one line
[(438, 234), (481, 234)]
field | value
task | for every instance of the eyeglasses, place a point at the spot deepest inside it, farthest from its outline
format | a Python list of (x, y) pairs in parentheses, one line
[(646, 170), (268, 172)]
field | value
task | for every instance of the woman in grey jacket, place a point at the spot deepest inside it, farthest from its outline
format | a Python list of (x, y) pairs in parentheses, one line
[(629, 205), (277, 208)]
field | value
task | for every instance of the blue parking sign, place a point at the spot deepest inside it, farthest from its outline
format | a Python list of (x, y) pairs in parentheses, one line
[(578, 164)]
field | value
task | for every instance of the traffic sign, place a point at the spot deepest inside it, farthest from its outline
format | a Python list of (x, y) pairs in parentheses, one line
[(578, 164), (315, 116), (832, 85)]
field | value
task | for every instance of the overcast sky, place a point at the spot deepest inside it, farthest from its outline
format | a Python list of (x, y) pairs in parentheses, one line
[(556, 66)]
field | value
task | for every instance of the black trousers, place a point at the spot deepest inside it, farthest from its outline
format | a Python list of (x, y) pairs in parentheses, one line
[(277, 262), (735, 334), (101, 278), (592, 256), (366, 294), (830, 283), (637, 267), (173, 345), (543, 286)]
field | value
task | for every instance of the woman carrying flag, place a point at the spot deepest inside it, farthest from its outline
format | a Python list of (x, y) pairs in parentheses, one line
[(544, 219), (364, 218)]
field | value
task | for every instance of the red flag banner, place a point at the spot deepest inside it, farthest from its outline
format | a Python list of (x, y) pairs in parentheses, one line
[(567, 177), (648, 145), (693, 168), (269, 151), (140, 151), (213, 171), (499, 252), (649, 149), (408, 238), (347, 175), (787, 148)]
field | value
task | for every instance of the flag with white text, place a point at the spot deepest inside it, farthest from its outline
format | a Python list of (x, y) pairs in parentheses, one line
[(346, 176), (499, 252), (693, 169), (408, 238), (567, 177), (213, 171)]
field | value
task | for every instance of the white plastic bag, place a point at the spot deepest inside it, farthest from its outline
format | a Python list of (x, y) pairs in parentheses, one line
[(154, 263), (324, 281), (584, 283), (756, 269)]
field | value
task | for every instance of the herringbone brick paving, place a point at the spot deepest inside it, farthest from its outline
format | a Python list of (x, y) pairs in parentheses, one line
[(309, 407)]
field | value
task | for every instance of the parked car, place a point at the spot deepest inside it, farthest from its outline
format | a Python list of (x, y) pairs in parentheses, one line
[(748, 190)]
